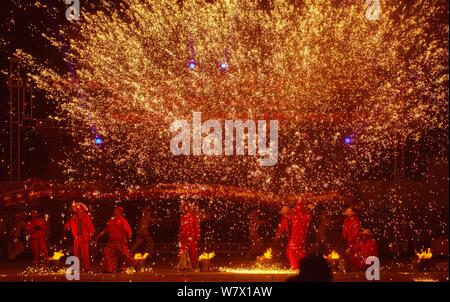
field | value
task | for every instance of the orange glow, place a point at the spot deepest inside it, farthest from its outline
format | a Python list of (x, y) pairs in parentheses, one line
[(56, 255), (139, 256), (266, 256), (206, 256), (258, 271), (425, 254), (332, 256)]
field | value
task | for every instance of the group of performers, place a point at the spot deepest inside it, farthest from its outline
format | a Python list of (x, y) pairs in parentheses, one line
[(119, 234), (359, 243), (293, 225)]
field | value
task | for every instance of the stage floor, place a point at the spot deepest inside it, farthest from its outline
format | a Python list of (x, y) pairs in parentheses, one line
[(19, 271)]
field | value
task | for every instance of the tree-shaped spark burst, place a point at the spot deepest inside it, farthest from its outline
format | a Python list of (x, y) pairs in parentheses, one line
[(319, 67)]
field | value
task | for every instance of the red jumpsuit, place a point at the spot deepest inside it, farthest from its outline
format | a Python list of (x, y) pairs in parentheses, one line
[(37, 228), (82, 229), (296, 250), (118, 231), (351, 230), (365, 249), (189, 235)]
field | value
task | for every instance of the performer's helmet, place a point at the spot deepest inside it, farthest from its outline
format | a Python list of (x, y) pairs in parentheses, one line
[(348, 212), (79, 205), (284, 210), (366, 232)]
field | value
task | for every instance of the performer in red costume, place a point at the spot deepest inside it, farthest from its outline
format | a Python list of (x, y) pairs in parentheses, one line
[(299, 218), (119, 232), (365, 247), (283, 234), (37, 228), (82, 229), (351, 228), (189, 234), (350, 232)]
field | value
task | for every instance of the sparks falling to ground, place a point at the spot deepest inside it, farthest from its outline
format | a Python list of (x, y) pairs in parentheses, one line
[(258, 270)]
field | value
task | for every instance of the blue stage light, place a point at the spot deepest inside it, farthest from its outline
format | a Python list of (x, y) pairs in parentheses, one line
[(98, 141), (348, 140), (224, 66), (192, 65)]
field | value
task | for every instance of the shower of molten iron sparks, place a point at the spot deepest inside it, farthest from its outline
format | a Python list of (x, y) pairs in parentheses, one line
[(321, 70), (324, 66)]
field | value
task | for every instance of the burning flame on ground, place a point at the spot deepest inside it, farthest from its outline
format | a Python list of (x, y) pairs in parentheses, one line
[(206, 256), (266, 256), (139, 256), (332, 256), (425, 254), (56, 255)]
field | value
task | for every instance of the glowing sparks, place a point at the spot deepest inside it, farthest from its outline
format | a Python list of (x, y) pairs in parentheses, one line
[(42, 271), (258, 271), (323, 71), (425, 280), (139, 68)]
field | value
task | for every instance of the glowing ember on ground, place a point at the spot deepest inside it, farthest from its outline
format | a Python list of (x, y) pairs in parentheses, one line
[(146, 269), (263, 271), (425, 280), (42, 271), (130, 271)]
